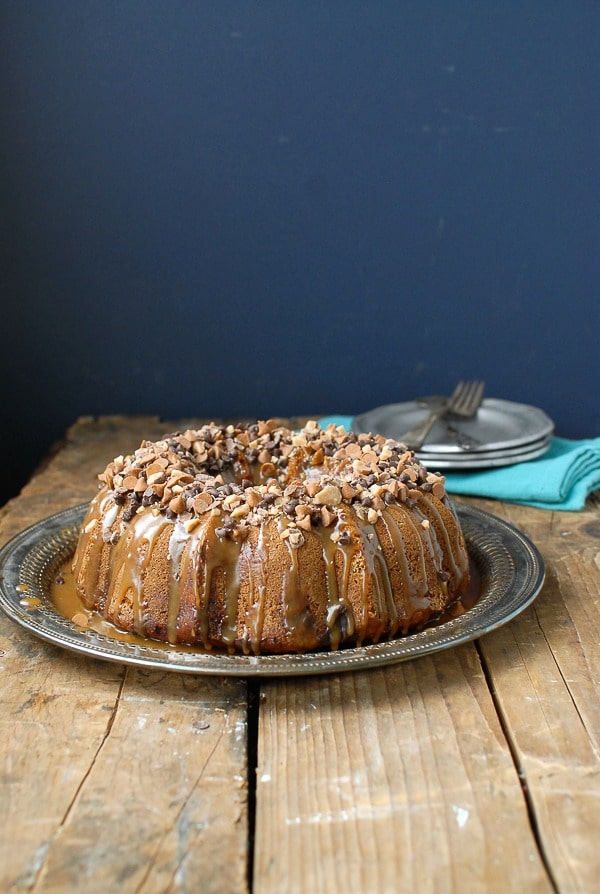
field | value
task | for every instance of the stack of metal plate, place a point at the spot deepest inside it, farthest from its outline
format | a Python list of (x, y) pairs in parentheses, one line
[(502, 433)]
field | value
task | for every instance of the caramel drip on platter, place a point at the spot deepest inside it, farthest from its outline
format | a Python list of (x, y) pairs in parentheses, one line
[(68, 602)]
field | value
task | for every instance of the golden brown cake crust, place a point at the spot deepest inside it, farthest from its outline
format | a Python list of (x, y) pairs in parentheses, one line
[(259, 539)]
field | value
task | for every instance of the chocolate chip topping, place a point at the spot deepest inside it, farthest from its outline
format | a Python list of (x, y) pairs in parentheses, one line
[(244, 474)]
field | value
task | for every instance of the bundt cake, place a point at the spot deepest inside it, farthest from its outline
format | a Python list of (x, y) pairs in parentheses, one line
[(258, 539)]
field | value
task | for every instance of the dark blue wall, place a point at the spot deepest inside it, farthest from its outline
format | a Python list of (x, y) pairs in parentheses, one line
[(264, 208)]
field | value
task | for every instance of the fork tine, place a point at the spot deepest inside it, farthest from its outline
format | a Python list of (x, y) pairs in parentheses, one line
[(464, 401), (469, 399), (459, 394), (479, 393), (458, 391)]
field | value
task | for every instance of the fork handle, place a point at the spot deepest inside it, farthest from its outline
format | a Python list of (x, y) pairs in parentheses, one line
[(416, 437)]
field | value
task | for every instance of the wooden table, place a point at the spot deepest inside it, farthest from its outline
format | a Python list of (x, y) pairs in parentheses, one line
[(475, 769)]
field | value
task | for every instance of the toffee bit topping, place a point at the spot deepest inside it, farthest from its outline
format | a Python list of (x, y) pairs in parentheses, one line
[(245, 474), (296, 537)]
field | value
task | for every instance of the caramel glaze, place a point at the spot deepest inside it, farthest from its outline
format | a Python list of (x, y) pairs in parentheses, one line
[(67, 602), (367, 582)]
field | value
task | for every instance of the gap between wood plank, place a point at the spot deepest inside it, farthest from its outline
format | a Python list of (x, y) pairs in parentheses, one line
[(252, 758), (521, 775)]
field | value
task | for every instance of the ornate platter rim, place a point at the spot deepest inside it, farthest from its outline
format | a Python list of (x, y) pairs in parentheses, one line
[(511, 568)]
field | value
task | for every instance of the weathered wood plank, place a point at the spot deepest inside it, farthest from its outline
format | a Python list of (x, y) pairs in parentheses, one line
[(166, 789), (391, 780), (113, 778), (385, 780), (545, 669), (55, 713)]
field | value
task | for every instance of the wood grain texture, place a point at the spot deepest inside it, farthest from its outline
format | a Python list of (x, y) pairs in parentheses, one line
[(391, 780), (474, 770), (167, 786), (113, 778), (545, 669)]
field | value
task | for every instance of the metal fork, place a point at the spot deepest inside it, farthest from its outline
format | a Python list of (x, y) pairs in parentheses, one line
[(464, 401)]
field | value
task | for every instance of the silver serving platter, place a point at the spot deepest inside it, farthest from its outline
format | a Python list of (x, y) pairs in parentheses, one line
[(510, 566), (499, 425)]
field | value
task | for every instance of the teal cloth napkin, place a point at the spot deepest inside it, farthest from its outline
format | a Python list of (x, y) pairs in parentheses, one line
[(560, 479)]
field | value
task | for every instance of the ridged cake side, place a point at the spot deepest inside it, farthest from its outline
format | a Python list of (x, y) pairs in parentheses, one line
[(264, 540)]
